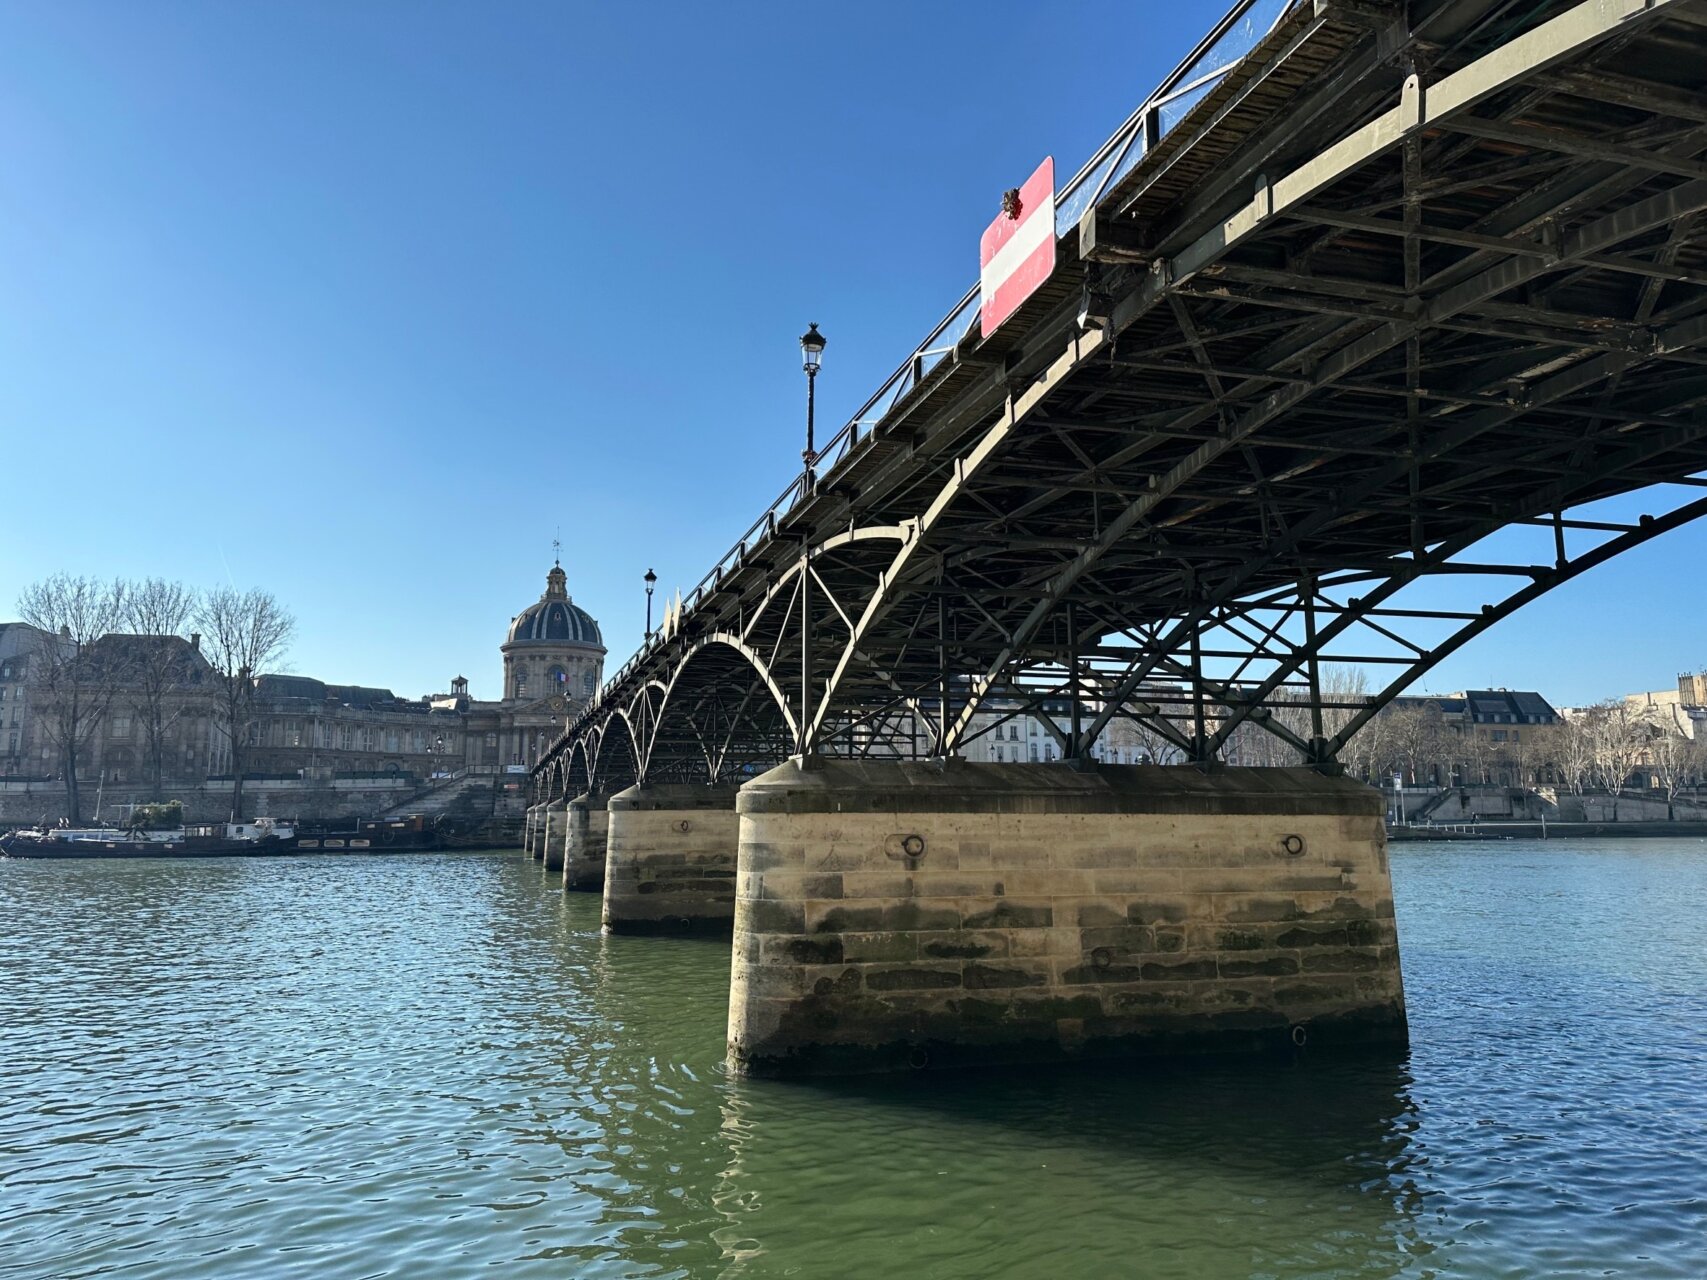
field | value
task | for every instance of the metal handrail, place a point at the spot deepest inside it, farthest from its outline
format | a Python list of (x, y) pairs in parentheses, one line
[(1239, 31)]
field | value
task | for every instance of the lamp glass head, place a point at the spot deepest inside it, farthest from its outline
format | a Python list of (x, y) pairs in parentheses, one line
[(812, 348)]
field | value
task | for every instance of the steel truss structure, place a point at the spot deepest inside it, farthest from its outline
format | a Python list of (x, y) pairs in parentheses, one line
[(1363, 338)]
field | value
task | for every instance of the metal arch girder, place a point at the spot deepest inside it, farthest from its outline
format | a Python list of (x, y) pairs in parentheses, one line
[(1079, 349), (1626, 222), (789, 572), (1578, 28), (595, 771), (1465, 430), (570, 777), (1559, 575), (711, 757), (1581, 25), (1420, 567), (728, 639), (642, 716), (1555, 495)]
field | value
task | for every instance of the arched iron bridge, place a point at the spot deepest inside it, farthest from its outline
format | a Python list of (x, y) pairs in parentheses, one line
[(1356, 326)]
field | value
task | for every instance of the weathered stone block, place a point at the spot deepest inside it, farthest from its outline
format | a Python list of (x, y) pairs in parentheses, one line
[(962, 944), (1152, 910), (991, 977), (861, 947), (767, 916), (883, 978), (1008, 914), (1271, 967), (1092, 913)]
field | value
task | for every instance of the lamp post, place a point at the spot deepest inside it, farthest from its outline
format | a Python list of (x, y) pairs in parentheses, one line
[(651, 581), (811, 351)]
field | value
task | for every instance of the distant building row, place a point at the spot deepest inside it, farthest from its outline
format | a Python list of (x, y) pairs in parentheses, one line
[(553, 661)]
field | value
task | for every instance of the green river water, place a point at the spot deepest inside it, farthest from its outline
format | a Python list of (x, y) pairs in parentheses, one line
[(436, 1066)]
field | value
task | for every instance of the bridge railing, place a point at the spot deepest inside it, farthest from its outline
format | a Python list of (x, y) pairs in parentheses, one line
[(1242, 28)]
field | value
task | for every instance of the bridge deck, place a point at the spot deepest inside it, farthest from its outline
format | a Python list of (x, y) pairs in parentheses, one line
[(1378, 292)]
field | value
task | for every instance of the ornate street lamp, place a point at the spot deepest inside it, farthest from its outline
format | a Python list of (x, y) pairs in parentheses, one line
[(811, 351), (651, 581)]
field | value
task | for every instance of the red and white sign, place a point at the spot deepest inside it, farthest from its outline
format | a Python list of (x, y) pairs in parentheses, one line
[(1017, 252)]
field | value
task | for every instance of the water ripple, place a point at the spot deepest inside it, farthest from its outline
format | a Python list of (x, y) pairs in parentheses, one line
[(437, 1065)]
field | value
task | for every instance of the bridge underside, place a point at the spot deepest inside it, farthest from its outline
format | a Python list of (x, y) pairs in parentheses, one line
[(1339, 366), (1323, 386)]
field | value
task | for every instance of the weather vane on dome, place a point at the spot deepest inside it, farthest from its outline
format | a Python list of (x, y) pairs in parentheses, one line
[(557, 547)]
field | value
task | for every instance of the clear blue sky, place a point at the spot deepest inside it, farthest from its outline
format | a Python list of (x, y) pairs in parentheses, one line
[(360, 302)]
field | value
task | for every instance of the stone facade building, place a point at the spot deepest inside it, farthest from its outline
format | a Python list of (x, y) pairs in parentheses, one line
[(308, 729), (1683, 708), (17, 641)]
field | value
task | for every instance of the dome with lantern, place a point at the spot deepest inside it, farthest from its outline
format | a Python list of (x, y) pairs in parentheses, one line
[(554, 648)]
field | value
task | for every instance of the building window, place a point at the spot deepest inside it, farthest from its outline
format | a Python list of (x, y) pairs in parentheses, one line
[(292, 733), (391, 740), (491, 739), (367, 739), (121, 727), (521, 685), (346, 737), (556, 675)]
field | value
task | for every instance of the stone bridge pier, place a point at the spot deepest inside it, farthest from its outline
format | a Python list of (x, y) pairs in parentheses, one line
[(531, 831), (670, 859), (900, 914), (584, 853), (556, 833)]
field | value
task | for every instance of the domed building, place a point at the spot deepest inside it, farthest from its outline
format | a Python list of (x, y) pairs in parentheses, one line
[(554, 648), (554, 661)]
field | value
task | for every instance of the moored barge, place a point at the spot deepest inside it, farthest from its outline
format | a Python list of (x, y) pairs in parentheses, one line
[(193, 840)]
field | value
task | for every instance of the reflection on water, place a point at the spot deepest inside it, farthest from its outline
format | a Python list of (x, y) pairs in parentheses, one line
[(436, 1065)]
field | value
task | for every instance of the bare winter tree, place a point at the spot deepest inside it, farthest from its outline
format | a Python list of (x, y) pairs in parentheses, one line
[(1573, 753), (1617, 738), (1344, 691), (159, 667), (69, 615), (1348, 687), (1157, 748), (242, 633), (1416, 741), (1672, 753)]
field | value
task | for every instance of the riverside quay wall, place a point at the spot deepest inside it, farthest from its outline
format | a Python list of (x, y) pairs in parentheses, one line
[(23, 803), (899, 914)]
